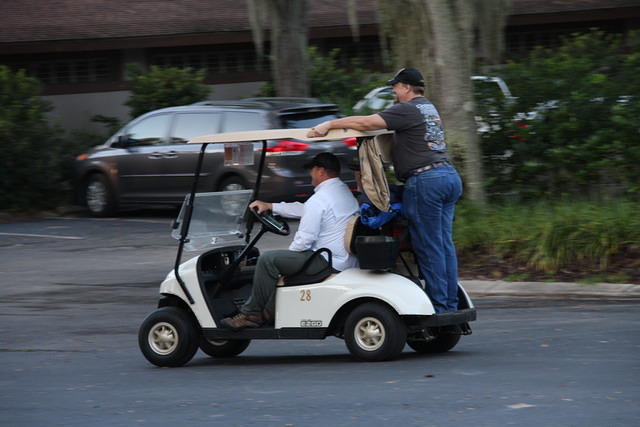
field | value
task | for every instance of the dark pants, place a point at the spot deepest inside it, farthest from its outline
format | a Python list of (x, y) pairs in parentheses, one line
[(429, 202), (271, 265)]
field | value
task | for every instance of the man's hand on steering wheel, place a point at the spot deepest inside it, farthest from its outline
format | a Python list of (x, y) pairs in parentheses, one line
[(261, 206), (278, 226)]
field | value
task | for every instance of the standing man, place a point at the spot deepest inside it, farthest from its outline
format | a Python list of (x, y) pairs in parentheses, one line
[(323, 223), (432, 185)]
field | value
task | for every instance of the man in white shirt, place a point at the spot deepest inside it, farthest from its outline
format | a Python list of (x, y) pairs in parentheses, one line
[(323, 221)]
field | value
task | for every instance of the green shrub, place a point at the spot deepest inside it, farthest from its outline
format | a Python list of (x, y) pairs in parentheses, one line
[(333, 83), (582, 137), (339, 85), (549, 236), (32, 150), (163, 87)]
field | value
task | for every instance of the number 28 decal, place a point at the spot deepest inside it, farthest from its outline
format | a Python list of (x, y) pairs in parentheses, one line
[(305, 295)]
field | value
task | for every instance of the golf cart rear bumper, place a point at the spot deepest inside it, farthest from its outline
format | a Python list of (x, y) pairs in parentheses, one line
[(442, 319)]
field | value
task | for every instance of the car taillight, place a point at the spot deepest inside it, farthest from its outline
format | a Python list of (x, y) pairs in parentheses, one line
[(82, 157), (288, 146), (519, 134), (350, 142)]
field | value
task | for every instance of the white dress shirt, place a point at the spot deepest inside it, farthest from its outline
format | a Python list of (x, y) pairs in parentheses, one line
[(323, 221)]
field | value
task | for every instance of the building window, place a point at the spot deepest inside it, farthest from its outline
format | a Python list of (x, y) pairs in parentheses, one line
[(68, 69), (241, 59)]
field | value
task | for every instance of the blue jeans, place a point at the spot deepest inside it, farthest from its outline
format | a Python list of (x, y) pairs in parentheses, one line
[(429, 203)]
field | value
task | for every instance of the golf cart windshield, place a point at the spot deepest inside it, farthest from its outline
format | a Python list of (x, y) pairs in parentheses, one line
[(218, 219)]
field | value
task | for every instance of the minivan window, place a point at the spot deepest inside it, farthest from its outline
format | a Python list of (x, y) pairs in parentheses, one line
[(305, 120), (237, 121), (190, 125), (149, 131)]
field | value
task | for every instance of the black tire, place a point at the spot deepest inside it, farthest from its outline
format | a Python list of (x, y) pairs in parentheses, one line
[(232, 183), (223, 348), (373, 332), (98, 196), (168, 337), (440, 344)]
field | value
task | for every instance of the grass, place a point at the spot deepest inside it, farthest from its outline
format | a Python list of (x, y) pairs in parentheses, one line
[(547, 237), (517, 277), (606, 278)]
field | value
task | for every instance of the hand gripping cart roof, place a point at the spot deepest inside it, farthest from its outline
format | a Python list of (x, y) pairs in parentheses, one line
[(376, 309)]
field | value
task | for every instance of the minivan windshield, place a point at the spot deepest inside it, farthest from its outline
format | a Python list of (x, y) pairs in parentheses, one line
[(305, 120)]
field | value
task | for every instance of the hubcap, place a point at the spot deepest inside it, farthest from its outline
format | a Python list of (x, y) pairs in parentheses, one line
[(163, 338), (96, 196), (231, 205), (369, 333), (233, 187)]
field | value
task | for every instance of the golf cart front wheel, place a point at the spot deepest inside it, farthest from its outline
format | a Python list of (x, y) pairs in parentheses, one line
[(374, 332), (223, 348), (440, 344), (168, 337)]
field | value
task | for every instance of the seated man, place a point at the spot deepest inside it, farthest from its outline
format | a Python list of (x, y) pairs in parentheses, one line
[(323, 221)]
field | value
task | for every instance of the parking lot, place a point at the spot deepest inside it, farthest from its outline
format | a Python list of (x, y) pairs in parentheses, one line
[(75, 290)]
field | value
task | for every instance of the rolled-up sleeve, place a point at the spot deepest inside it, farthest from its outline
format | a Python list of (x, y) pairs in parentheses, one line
[(309, 227), (288, 210)]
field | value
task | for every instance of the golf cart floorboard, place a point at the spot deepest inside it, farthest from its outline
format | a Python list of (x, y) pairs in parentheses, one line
[(436, 320), (265, 333), (444, 319)]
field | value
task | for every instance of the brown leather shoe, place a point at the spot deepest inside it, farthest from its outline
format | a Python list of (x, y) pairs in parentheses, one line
[(241, 320)]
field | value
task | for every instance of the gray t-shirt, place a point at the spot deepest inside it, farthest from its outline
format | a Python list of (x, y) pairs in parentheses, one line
[(419, 137)]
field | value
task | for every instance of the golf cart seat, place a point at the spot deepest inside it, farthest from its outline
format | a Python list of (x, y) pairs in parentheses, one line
[(303, 277)]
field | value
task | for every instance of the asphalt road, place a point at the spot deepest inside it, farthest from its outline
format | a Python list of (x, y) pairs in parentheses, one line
[(74, 291)]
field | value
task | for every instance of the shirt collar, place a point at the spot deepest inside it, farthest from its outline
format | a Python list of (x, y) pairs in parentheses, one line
[(325, 183)]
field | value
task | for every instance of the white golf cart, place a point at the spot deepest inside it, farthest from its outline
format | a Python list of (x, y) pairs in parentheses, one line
[(374, 309)]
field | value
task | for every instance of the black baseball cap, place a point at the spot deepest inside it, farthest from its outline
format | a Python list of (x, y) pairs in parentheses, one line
[(410, 76), (324, 160)]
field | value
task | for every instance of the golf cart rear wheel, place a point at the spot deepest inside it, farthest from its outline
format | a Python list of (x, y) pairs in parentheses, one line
[(440, 344), (223, 348), (374, 332), (168, 337)]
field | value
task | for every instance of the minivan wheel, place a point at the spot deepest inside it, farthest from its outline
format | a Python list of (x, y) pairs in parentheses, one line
[(99, 196), (168, 337), (374, 332), (233, 183)]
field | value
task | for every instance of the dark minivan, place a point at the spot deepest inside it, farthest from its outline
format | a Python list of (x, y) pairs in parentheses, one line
[(149, 162)]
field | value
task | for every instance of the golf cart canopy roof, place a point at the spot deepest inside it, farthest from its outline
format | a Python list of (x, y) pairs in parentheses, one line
[(375, 149), (299, 134)]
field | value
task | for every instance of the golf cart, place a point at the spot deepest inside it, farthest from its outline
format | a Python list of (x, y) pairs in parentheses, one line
[(374, 309)]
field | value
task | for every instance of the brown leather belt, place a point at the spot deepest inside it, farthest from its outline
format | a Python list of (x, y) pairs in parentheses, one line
[(426, 168)]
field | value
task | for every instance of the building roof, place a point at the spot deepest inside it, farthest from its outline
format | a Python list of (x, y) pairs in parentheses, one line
[(35, 20), (528, 7), (28, 21)]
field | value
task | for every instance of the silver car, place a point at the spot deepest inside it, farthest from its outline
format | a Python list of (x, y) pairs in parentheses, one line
[(149, 162)]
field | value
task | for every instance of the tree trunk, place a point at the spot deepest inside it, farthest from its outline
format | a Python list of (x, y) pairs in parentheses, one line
[(452, 24), (289, 56)]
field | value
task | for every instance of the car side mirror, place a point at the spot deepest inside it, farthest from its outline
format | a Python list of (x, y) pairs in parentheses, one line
[(124, 141)]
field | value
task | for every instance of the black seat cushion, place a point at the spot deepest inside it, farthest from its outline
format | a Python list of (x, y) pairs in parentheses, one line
[(303, 277)]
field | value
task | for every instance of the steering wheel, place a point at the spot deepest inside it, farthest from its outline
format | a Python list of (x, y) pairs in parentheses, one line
[(268, 221)]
